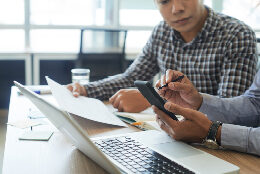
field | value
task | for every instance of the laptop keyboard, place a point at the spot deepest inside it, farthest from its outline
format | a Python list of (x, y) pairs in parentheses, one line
[(138, 158)]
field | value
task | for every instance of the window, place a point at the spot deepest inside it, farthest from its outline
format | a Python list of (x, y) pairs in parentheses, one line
[(134, 45), (55, 40), (11, 12), (12, 40), (54, 25), (67, 12), (208, 3), (246, 10), (138, 13)]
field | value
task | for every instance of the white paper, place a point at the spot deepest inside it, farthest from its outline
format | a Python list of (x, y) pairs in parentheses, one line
[(90, 108)]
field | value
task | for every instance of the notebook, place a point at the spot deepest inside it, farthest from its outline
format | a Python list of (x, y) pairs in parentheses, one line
[(139, 152), (145, 120)]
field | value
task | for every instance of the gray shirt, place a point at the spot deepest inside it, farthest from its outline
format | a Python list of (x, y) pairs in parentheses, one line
[(241, 118)]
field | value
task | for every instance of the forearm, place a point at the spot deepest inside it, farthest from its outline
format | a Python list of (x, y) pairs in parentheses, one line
[(241, 138), (103, 89), (242, 110), (143, 68)]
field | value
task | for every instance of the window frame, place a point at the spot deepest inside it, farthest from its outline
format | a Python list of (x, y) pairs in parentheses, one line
[(114, 24)]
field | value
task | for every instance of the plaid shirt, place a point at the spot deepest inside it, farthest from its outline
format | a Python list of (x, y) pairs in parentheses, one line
[(221, 60)]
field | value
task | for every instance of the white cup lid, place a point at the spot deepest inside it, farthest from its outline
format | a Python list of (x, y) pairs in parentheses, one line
[(80, 70)]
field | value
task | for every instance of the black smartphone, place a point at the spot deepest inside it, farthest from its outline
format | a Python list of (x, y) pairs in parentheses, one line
[(153, 97)]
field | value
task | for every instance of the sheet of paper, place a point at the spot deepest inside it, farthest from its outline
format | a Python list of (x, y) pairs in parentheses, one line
[(24, 123), (36, 135), (89, 108), (35, 113), (137, 116), (151, 125)]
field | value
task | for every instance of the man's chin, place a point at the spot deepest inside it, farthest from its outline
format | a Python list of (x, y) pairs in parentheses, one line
[(183, 29)]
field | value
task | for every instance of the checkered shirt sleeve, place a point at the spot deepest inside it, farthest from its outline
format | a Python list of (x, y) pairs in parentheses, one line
[(221, 60)]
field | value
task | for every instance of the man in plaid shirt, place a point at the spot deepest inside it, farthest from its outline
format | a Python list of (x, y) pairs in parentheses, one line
[(216, 52)]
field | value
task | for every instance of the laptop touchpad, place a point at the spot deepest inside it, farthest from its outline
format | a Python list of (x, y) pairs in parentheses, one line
[(176, 149)]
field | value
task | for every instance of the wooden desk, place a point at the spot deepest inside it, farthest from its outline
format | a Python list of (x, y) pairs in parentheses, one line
[(59, 156)]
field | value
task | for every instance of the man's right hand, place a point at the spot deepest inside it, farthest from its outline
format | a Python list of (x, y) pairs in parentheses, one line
[(77, 89), (182, 93)]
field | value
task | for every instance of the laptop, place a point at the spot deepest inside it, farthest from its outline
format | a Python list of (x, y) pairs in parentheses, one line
[(140, 152)]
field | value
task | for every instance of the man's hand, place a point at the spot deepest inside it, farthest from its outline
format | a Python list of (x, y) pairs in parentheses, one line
[(194, 128), (182, 92), (77, 89), (129, 100)]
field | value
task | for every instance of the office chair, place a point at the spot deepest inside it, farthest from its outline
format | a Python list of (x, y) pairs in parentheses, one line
[(102, 51)]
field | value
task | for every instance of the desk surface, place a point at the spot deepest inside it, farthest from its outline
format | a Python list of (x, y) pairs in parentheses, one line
[(58, 155)]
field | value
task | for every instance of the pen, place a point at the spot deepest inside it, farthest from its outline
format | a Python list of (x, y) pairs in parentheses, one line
[(175, 80), (136, 123), (38, 92), (42, 91)]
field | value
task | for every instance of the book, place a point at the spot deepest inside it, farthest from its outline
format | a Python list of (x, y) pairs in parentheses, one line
[(135, 117), (144, 120)]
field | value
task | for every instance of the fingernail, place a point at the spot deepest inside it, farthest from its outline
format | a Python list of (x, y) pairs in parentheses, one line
[(167, 105), (75, 93)]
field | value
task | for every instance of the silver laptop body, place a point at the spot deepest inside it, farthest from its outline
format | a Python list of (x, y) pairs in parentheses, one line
[(188, 157)]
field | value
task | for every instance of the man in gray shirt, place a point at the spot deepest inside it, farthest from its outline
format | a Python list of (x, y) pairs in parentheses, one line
[(240, 115)]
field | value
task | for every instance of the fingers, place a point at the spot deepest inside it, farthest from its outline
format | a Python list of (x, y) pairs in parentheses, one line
[(70, 87), (163, 80), (185, 112), (113, 98), (158, 83), (120, 107), (168, 94), (116, 102), (165, 118), (179, 86), (76, 90), (171, 75), (162, 125)]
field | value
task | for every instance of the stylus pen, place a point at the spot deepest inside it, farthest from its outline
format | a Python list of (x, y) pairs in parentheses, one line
[(38, 92), (175, 80)]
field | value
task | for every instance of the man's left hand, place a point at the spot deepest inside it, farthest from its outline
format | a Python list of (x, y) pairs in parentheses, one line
[(194, 128), (129, 100)]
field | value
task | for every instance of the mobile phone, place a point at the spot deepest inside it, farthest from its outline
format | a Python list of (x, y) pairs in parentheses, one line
[(153, 97)]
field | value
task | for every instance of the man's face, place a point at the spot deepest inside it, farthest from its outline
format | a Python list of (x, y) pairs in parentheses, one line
[(182, 15)]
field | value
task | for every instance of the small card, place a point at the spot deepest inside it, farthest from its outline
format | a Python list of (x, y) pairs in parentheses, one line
[(24, 123), (34, 114), (36, 135)]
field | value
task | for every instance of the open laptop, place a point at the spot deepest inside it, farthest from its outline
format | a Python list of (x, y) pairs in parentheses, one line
[(140, 152)]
